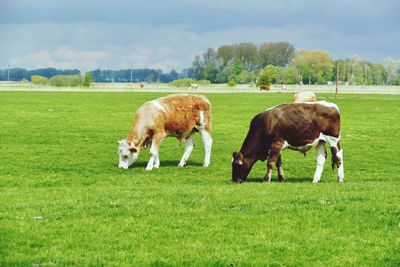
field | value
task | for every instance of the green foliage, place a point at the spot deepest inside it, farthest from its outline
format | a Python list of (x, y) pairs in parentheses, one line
[(24, 81), (67, 80), (313, 66), (211, 72), (183, 82), (231, 83), (265, 77), (39, 80), (64, 202), (291, 76), (88, 80)]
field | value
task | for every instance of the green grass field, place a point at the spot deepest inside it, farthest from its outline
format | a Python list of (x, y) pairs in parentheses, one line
[(63, 201)]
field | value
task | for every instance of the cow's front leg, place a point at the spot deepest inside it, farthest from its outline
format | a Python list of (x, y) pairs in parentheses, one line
[(274, 155), (154, 160)]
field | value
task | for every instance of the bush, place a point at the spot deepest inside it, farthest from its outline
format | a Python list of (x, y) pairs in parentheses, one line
[(182, 82), (265, 78), (88, 80), (66, 80), (39, 80), (231, 83)]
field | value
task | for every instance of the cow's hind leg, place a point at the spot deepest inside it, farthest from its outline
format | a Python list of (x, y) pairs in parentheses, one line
[(189, 144), (321, 156), (207, 142), (281, 176), (337, 159), (154, 160)]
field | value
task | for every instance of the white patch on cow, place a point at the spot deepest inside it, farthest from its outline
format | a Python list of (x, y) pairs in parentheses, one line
[(271, 108), (324, 103), (201, 118), (306, 147), (158, 105), (126, 157)]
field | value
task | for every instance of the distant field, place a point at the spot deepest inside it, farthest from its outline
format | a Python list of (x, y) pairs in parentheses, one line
[(63, 201), (205, 88)]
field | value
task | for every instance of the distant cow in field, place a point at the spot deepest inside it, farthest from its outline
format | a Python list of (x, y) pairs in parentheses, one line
[(297, 126), (264, 87), (282, 88), (180, 116), (193, 86), (305, 96), (141, 85)]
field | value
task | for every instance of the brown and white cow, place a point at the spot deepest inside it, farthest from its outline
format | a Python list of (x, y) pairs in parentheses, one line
[(297, 126), (305, 96), (180, 116), (193, 86), (264, 87), (141, 85)]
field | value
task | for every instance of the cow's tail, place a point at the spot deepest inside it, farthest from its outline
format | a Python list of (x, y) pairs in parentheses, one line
[(335, 159)]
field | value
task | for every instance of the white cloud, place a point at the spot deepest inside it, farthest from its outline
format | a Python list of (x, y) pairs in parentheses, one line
[(88, 46)]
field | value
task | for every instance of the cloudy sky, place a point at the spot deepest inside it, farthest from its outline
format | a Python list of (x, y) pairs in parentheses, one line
[(93, 34)]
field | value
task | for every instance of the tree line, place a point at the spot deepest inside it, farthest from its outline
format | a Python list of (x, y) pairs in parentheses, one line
[(280, 63), (243, 63), (124, 75)]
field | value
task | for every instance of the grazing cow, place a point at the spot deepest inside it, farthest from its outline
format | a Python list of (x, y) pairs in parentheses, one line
[(305, 96), (141, 85), (282, 87), (193, 86), (297, 126), (264, 87), (180, 116)]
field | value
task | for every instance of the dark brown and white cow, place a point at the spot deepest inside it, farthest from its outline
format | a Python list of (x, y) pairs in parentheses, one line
[(297, 126), (180, 116)]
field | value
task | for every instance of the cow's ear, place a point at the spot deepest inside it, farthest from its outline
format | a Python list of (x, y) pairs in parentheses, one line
[(132, 150)]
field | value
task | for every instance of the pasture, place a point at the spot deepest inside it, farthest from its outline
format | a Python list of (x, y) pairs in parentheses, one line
[(63, 201)]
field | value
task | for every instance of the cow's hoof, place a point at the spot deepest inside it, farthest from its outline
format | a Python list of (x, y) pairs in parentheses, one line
[(205, 165), (181, 165)]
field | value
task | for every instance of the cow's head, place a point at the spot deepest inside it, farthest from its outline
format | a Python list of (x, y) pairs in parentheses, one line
[(240, 167), (127, 154)]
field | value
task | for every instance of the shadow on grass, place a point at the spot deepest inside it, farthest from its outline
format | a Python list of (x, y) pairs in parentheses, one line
[(275, 180), (163, 163)]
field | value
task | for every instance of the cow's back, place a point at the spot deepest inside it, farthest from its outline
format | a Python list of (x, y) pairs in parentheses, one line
[(184, 112), (300, 123)]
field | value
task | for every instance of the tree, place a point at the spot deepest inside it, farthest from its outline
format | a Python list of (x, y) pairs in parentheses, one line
[(88, 80), (211, 72), (225, 53), (277, 54), (198, 68), (391, 66), (247, 54), (313, 66)]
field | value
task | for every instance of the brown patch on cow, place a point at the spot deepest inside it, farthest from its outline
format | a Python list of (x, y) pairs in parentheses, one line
[(179, 118)]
